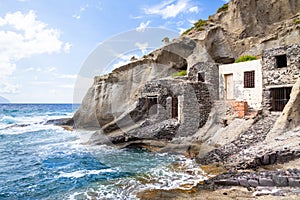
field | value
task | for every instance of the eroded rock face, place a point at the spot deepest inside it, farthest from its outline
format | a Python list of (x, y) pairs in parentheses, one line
[(116, 93), (248, 27)]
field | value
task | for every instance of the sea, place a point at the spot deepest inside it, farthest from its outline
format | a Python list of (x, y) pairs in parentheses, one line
[(44, 161)]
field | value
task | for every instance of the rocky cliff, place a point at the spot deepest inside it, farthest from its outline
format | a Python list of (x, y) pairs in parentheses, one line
[(242, 27), (247, 27), (116, 93)]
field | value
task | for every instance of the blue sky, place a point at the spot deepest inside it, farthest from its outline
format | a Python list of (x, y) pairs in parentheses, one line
[(45, 43)]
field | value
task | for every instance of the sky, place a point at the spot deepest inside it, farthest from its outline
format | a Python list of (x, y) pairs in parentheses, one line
[(51, 49)]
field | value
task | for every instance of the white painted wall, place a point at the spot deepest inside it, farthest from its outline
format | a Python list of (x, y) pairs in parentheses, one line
[(252, 95)]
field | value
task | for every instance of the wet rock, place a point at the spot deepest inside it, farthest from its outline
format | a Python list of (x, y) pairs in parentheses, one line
[(244, 182), (280, 181), (61, 122), (253, 183), (294, 182), (265, 182)]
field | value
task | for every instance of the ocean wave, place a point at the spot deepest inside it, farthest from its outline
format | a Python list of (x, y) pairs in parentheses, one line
[(82, 173)]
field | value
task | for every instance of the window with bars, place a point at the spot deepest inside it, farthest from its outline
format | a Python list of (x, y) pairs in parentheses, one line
[(249, 79), (280, 97)]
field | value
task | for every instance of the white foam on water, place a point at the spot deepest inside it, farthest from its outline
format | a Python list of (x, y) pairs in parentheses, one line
[(82, 173), (185, 175)]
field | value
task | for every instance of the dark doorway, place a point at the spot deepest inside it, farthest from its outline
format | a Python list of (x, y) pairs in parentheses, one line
[(281, 61), (280, 97), (152, 105), (201, 76), (175, 107)]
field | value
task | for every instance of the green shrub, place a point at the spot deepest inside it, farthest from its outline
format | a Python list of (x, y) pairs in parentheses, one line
[(180, 73), (187, 31), (297, 21), (223, 8), (245, 58), (199, 24)]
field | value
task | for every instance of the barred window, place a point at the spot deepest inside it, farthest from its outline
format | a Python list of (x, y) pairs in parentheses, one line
[(249, 78)]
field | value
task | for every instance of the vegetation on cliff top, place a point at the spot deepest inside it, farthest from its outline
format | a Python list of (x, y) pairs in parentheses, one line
[(198, 26), (223, 8), (297, 21), (245, 58), (180, 73)]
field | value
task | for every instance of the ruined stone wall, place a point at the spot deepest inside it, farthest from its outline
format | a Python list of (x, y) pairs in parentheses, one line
[(274, 77), (211, 76), (194, 103)]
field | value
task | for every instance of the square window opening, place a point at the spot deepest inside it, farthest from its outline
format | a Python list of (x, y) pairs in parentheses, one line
[(201, 76), (281, 61)]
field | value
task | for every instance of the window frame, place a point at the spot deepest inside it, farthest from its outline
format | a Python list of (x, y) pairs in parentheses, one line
[(249, 79)]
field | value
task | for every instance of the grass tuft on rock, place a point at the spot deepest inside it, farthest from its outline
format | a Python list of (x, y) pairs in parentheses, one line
[(297, 21), (245, 58), (180, 73), (223, 8)]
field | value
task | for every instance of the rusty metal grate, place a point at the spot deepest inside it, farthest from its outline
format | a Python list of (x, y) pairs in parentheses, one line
[(249, 79), (280, 97)]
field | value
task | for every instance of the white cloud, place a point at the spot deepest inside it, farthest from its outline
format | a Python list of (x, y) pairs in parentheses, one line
[(51, 69), (142, 46), (123, 59), (8, 88), (81, 10), (22, 36), (168, 9), (225, 1), (69, 76), (194, 9), (76, 16), (143, 26), (67, 47)]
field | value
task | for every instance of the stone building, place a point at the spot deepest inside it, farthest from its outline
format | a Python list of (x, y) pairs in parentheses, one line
[(281, 69), (186, 101), (206, 72)]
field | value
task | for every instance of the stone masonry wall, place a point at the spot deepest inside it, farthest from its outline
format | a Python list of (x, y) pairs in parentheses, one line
[(194, 103), (211, 73), (276, 77)]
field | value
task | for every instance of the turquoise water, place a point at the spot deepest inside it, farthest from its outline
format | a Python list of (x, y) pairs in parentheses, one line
[(41, 161)]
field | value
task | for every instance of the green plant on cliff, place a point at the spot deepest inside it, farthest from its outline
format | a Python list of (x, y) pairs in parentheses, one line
[(180, 73), (297, 21), (198, 26), (245, 58), (223, 8), (187, 31)]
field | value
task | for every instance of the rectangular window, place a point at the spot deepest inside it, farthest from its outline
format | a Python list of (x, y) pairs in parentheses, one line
[(281, 61), (201, 76), (249, 79), (280, 97)]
